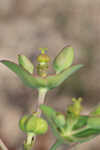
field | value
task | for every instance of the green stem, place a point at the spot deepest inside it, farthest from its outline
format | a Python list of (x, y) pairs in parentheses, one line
[(56, 145), (3, 146), (29, 143), (29, 138), (41, 97)]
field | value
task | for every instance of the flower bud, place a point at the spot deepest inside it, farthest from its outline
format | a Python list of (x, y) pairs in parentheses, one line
[(43, 58), (76, 107)]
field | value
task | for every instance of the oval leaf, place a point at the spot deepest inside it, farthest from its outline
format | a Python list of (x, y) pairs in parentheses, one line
[(50, 114), (48, 111), (64, 59), (94, 122), (54, 81), (25, 76), (25, 63)]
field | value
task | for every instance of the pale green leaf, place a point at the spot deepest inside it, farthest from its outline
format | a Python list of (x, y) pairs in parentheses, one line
[(94, 122), (25, 63), (39, 82), (64, 59), (54, 81)]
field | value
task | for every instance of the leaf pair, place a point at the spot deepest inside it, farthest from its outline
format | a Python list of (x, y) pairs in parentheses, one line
[(61, 64)]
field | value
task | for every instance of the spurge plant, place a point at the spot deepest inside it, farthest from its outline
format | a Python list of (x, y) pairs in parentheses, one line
[(70, 129)]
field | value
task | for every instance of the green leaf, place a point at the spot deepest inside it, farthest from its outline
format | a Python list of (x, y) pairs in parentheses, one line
[(39, 82), (81, 132), (60, 120), (25, 76), (64, 59), (81, 122), (94, 122), (48, 111), (25, 63), (96, 111), (84, 140), (50, 115), (54, 81), (87, 133)]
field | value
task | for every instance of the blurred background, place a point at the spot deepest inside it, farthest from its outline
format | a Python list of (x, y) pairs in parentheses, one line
[(27, 25)]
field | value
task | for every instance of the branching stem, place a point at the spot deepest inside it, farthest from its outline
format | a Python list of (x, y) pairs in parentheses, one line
[(41, 97), (3, 146)]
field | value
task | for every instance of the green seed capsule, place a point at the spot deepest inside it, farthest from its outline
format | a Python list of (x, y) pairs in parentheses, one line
[(41, 127), (36, 125), (64, 59), (26, 63), (33, 124), (60, 120), (22, 122)]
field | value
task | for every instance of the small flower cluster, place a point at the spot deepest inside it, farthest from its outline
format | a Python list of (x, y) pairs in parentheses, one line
[(73, 127)]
